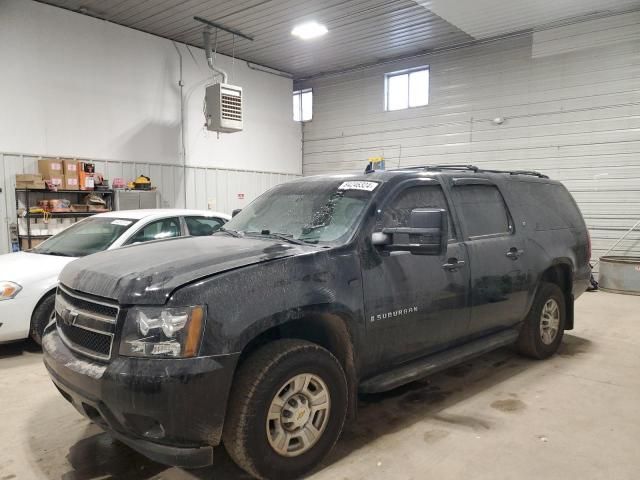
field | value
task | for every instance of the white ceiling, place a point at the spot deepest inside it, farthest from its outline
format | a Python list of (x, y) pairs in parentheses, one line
[(361, 32), (488, 18)]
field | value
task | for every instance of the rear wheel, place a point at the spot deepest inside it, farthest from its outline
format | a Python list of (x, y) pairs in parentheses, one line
[(543, 328), (286, 409), (42, 315)]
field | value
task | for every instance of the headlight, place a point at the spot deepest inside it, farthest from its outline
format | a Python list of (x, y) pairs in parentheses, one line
[(8, 290), (163, 332)]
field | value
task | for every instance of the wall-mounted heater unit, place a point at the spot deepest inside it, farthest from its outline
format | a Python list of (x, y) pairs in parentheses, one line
[(223, 108)]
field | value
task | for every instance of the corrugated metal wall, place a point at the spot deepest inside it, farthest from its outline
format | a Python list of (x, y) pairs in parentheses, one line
[(219, 188), (574, 116)]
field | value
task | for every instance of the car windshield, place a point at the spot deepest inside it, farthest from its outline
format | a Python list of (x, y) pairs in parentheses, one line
[(312, 211), (91, 235)]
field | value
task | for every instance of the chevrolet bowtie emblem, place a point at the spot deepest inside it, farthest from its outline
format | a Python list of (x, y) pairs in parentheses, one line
[(69, 316)]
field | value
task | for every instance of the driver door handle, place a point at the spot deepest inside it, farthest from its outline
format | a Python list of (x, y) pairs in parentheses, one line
[(514, 253), (453, 264)]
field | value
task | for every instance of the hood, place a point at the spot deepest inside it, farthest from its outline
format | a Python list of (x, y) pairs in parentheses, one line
[(23, 267), (148, 273)]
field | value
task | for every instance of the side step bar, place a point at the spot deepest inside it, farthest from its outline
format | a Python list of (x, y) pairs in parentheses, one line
[(426, 366)]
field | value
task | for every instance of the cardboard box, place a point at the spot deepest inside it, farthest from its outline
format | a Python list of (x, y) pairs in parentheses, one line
[(70, 168), (71, 182), (24, 243), (50, 168), (86, 181), (57, 181), (30, 181), (28, 177), (39, 185)]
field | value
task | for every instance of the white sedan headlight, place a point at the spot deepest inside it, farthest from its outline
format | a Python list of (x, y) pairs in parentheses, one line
[(8, 290)]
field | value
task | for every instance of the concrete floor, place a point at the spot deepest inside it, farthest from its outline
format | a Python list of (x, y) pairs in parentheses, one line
[(500, 416)]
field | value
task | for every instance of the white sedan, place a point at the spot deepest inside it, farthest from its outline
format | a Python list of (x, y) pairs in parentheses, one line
[(28, 279)]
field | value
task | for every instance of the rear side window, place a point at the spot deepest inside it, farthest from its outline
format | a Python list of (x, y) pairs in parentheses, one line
[(398, 212), (158, 230), (482, 210), (202, 226), (548, 205)]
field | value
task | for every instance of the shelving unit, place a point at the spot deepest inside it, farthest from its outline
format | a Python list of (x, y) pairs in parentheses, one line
[(29, 195)]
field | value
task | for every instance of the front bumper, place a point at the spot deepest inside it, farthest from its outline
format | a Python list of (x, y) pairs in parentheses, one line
[(15, 317), (171, 411)]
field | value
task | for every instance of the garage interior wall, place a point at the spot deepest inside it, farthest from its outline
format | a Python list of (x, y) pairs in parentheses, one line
[(77, 87), (570, 97)]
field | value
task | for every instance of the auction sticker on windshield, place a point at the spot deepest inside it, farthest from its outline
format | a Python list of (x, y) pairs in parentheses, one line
[(358, 185), (122, 223)]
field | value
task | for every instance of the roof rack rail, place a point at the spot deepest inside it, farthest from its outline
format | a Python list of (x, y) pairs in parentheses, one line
[(439, 167), (472, 168)]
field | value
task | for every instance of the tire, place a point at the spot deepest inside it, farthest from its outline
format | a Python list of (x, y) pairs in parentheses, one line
[(41, 317), (266, 377), (542, 330)]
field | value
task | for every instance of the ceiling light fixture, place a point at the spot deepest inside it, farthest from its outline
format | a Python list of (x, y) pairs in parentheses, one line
[(309, 30)]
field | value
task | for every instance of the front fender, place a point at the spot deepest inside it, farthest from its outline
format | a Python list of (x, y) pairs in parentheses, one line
[(245, 302)]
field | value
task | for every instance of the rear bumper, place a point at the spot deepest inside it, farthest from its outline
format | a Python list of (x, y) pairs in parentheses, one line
[(171, 411)]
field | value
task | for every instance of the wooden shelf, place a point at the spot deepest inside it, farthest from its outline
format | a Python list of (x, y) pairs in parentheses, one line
[(64, 214), (36, 236), (32, 190)]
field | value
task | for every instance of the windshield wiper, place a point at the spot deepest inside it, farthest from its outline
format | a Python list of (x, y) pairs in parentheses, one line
[(233, 233), (55, 254), (287, 237)]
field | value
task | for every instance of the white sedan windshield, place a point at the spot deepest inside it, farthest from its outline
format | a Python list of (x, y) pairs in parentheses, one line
[(92, 235)]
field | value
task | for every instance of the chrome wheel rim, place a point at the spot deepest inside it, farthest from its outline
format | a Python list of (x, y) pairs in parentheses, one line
[(298, 415), (549, 321)]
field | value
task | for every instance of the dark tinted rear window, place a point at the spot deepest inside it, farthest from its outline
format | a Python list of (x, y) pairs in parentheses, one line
[(482, 210), (549, 206)]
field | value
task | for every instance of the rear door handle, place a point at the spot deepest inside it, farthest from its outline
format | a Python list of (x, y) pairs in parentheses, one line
[(514, 253), (453, 264)]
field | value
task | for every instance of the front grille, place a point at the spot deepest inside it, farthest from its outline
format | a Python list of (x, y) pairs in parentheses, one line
[(92, 341), (86, 325), (99, 308)]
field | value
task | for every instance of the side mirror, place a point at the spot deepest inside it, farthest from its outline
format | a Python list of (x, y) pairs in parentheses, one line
[(427, 234), (235, 212)]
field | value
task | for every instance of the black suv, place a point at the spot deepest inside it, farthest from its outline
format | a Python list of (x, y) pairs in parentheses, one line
[(262, 335)]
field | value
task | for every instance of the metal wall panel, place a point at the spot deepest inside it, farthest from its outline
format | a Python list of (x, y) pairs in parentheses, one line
[(575, 116), (221, 189)]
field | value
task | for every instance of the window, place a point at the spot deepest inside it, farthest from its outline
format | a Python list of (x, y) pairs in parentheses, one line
[(407, 88), (86, 237), (398, 212), (482, 210), (303, 105), (322, 211), (548, 206), (158, 230), (202, 226)]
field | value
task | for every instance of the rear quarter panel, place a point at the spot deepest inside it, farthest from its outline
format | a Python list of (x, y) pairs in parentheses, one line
[(553, 225)]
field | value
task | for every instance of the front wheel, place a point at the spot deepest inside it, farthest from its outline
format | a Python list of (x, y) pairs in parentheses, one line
[(543, 328), (286, 410), (42, 315)]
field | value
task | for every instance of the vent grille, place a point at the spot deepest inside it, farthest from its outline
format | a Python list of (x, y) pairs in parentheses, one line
[(231, 107), (98, 344), (86, 326)]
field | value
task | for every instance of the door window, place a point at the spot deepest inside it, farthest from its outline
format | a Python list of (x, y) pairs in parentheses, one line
[(398, 212), (158, 230), (482, 210), (203, 226)]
